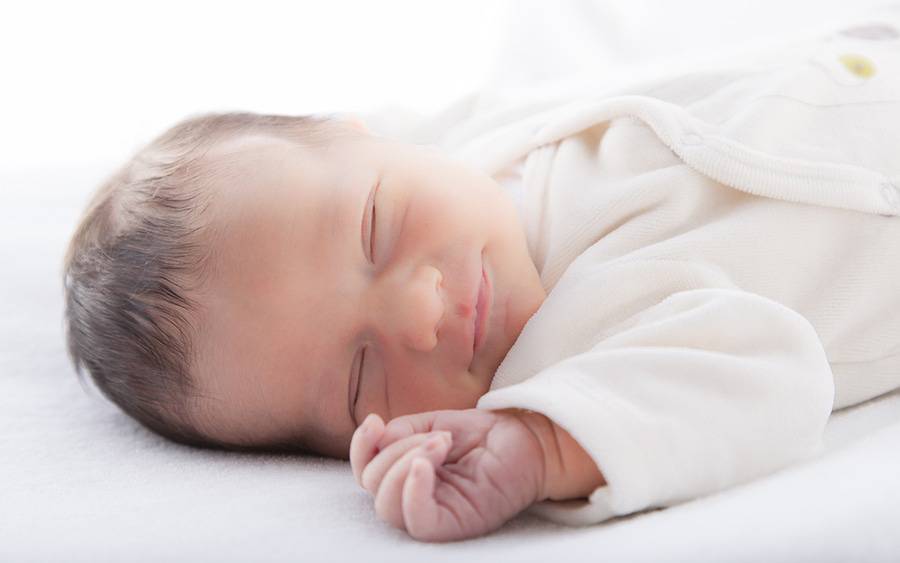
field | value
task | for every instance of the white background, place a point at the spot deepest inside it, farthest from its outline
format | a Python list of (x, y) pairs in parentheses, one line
[(89, 81), (86, 83)]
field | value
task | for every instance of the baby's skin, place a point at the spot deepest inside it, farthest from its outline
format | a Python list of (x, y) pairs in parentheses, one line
[(455, 474), (447, 475)]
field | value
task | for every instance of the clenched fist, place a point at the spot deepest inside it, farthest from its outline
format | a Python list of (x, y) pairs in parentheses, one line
[(452, 474)]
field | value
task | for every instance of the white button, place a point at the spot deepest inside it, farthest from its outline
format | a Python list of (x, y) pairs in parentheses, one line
[(691, 139), (891, 194)]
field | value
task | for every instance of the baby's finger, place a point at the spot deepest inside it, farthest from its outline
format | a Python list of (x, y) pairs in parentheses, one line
[(375, 471), (424, 518), (408, 425), (363, 445), (388, 501)]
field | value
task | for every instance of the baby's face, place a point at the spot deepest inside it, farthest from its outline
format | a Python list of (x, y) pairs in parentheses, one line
[(347, 283)]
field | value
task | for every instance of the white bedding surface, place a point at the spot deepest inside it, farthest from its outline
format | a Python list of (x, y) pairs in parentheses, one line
[(79, 481)]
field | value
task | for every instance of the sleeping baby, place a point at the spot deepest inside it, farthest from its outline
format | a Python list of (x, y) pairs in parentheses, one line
[(584, 307)]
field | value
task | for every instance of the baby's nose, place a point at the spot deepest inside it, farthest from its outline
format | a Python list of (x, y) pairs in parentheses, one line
[(421, 308)]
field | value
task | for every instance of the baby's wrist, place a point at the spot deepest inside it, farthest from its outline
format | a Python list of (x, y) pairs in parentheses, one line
[(541, 429), (569, 472)]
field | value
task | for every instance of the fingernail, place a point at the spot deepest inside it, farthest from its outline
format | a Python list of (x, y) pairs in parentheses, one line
[(447, 436), (367, 423)]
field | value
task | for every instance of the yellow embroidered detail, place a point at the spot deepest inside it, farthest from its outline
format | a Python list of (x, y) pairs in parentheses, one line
[(858, 65)]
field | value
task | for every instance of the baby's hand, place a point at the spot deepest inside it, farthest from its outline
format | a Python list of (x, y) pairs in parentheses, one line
[(448, 475)]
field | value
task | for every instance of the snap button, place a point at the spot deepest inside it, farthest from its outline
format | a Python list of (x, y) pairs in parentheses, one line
[(891, 194), (691, 139)]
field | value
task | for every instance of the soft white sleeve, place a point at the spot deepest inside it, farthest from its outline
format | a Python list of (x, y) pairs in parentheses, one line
[(706, 389)]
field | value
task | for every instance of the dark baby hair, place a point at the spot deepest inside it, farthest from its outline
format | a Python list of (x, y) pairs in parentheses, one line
[(137, 258)]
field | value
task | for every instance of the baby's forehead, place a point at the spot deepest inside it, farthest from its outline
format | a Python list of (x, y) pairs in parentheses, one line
[(266, 176), (269, 204), (249, 166)]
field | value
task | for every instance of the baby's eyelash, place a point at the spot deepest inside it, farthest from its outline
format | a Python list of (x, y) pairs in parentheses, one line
[(372, 227), (359, 378)]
